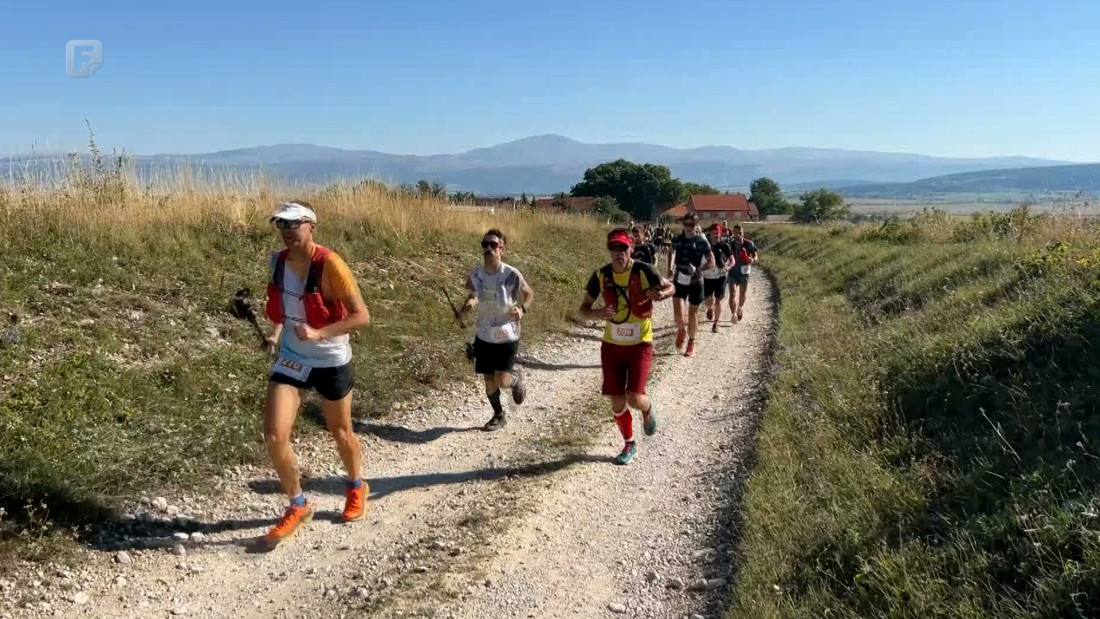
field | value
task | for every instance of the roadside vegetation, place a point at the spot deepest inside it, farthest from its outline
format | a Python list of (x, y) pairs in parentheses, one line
[(126, 370), (931, 446)]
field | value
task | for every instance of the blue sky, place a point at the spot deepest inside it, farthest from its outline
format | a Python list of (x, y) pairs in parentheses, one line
[(955, 78)]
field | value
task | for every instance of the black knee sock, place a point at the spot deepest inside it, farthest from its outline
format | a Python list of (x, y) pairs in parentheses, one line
[(494, 399)]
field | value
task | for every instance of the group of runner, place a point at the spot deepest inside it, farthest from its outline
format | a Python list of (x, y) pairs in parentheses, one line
[(313, 288)]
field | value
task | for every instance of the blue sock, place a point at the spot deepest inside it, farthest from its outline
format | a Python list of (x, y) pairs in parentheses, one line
[(354, 484), (298, 501)]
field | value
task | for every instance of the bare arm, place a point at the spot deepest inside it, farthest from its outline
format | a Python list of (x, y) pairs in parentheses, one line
[(471, 297), (586, 310), (710, 261), (357, 318)]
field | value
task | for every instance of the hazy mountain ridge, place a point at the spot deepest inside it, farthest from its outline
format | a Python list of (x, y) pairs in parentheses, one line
[(550, 163), (1065, 178)]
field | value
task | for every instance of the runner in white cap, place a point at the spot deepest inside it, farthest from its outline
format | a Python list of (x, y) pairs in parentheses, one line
[(313, 290)]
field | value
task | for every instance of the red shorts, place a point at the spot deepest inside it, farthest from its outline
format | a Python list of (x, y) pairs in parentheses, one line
[(625, 368)]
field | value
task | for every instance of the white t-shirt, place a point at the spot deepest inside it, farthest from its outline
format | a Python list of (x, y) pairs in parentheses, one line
[(497, 293)]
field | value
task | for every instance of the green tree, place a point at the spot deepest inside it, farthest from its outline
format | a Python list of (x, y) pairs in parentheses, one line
[(638, 189), (821, 205), (523, 198), (692, 189), (768, 197), (608, 206)]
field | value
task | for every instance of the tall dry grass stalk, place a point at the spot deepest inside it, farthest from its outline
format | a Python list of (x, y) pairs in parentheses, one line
[(111, 201)]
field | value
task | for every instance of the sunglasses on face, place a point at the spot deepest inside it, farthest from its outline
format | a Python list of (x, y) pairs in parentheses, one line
[(288, 224), (616, 247), (489, 244)]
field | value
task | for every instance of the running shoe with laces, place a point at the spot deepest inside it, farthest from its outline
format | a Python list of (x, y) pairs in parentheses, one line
[(519, 391), (681, 335), (649, 421), (690, 352), (627, 454), (355, 503), (293, 519)]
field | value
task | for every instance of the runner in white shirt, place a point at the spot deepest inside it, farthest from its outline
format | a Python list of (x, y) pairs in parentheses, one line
[(502, 297)]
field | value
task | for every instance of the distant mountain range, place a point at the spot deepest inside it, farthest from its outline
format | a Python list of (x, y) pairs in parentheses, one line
[(1065, 178), (550, 163)]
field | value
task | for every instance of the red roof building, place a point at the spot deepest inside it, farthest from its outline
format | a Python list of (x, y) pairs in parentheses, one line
[(732, 207)]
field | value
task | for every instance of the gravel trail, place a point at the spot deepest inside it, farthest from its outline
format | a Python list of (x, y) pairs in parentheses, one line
[(530, 521)]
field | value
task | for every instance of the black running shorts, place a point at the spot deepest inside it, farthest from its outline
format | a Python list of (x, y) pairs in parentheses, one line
[(693, 292), (493, 358), (715, 288), (332, 384)]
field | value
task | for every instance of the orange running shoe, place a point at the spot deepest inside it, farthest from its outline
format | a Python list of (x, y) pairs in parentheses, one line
[(293, 519), (355, 507)]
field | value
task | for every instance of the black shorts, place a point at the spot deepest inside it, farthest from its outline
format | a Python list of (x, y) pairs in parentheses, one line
[(332, 384), (493, 358), (739, 278), (693, 292), (715, 288)]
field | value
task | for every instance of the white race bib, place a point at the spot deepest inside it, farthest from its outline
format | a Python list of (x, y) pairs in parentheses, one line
[(503, 334), (683, 278), (746, 269), (627, 333), (293, 369)]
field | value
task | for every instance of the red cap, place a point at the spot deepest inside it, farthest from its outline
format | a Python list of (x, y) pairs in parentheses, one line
[(620, 236)]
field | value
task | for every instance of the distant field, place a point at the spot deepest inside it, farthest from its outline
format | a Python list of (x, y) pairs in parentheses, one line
[(973, 203)]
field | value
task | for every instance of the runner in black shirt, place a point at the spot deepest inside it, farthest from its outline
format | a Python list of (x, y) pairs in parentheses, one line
[(644, 251), (692, 255), (744, 256), (714, 280)]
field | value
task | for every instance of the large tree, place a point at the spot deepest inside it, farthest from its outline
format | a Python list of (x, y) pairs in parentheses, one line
[(639, 189), (693, 189), (821, 205), (768, 197)]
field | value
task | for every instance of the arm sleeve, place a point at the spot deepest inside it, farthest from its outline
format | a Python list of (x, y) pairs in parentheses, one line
[(653, 279), (337, 282), (593, 287)]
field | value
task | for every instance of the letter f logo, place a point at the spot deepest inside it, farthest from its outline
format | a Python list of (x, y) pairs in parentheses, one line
[(90, 54)]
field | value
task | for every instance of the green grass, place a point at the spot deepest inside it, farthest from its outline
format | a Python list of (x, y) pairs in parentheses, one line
[(133, 377), (931, 445)]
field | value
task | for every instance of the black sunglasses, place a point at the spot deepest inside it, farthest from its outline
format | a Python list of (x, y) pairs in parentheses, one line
[(288, 224), (488, 244), (617, 247)]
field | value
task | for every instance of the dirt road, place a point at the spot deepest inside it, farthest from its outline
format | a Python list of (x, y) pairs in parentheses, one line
[(531, 521)]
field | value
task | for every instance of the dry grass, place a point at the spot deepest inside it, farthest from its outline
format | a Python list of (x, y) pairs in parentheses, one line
[(131, 374)]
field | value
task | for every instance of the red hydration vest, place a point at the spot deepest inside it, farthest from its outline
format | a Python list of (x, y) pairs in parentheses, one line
[(640, 304), (319, 311)]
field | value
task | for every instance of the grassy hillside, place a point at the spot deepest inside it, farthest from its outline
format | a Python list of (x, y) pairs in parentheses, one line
[(931, 446), (131, 374)]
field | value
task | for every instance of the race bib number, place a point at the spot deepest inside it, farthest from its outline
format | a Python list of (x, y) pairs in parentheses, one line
[(627, 333), (502, 334), (746, 269), (683, 278), (293, 369)]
